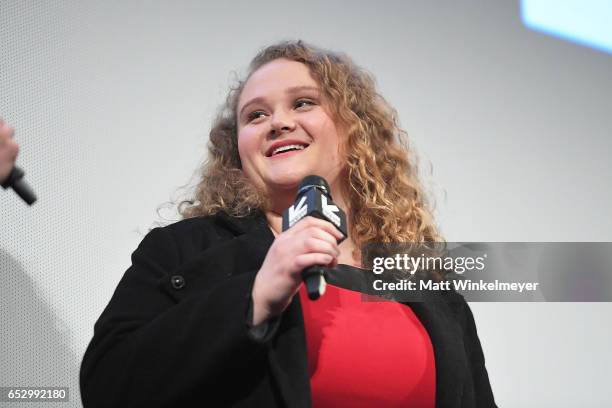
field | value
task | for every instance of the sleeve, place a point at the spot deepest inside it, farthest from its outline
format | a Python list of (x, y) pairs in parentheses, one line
[(150, 350), (265, 330), (480, 378)]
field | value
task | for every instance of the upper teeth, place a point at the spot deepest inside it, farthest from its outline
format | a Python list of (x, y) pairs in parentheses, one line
[(287, 147)]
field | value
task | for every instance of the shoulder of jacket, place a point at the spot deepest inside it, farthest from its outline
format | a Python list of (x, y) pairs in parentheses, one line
[(205, 230), (190, 226)]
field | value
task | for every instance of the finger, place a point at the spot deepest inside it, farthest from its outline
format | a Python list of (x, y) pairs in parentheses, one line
[(304, 261), (310, 221), (8, 157), (316, 232), (313, 245), (333, 263), (9, 150), (5, 140), (14, 150), (6, 131)]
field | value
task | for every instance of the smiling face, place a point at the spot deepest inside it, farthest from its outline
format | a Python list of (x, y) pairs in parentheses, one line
[(285, 130)]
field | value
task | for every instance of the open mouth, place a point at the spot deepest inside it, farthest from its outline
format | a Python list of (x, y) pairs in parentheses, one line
[(285, 149)]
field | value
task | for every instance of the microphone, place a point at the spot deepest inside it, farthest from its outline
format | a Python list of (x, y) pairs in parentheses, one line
[(16, 182), (314, 199)]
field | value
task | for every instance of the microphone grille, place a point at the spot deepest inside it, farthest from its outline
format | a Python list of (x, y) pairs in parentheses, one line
[(314, 181)]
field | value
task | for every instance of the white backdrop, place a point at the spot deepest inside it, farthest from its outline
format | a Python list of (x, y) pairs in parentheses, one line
[(112, 102)]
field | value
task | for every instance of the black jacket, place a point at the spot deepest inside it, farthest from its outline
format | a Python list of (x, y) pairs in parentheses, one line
[(176, 334)]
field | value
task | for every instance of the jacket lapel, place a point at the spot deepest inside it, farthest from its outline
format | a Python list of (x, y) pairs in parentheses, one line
[(287, 352), (288, 358), (449, 352)]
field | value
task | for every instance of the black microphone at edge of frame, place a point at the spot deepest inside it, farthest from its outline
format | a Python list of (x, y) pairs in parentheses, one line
[(16, 182), (314, 199)]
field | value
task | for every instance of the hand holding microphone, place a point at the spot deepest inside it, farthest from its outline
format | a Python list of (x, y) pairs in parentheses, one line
[(11, 175), (314, 199), (309, 242), (8, 150)]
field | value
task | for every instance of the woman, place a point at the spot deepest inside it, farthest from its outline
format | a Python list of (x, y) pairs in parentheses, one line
[(212, 311)]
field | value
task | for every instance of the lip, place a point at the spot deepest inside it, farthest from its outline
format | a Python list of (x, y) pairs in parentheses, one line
[(285, 154), (285, 143)]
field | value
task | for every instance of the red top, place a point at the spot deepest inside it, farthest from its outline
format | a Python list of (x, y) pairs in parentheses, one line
[(363, 353)]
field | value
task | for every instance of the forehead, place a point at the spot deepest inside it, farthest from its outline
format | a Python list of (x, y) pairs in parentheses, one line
[(276, 76)]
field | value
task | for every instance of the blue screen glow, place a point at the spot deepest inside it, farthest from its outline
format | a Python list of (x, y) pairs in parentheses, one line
[(586, 22)]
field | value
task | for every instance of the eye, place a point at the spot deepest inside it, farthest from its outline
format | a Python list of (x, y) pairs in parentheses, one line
[(303, 102), (254, 115)]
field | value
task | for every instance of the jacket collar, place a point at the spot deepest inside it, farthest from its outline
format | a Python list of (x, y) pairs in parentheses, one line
[(242, 225)]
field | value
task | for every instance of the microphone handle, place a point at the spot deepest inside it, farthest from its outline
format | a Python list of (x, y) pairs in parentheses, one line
[(16, 182), (314, 279)]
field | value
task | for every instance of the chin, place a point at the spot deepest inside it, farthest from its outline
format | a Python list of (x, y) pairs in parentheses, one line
[(287, 181)]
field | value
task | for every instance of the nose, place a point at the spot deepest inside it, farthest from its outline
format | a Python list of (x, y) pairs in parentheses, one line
[(282, 122)]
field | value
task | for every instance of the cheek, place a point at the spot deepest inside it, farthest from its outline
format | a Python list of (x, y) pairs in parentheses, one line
[(246, 145), (331, 138), (335, 144), (320, 127)]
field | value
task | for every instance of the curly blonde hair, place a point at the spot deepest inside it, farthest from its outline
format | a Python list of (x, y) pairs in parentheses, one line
[(387, 202)]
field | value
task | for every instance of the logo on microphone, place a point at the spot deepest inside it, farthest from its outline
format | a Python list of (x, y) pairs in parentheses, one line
[(298, 211), (330, 210), (314, 200)]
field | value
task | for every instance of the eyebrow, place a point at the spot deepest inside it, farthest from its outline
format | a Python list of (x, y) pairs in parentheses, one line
[(291, 90)]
